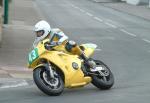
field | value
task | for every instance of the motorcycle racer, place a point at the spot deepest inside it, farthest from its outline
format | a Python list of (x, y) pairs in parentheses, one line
[(57, 37)]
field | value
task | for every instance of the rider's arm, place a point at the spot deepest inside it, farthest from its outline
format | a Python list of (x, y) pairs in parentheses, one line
[(61, 38)]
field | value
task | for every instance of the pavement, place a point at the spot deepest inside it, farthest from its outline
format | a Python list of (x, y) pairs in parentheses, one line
[(16, 43), (15, 73), (21, 21)]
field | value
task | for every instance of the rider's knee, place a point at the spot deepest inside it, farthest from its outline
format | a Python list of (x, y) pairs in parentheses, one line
[(70, 45)]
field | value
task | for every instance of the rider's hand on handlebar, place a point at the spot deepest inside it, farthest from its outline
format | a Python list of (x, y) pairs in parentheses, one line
[(48, 46), (55, 43)]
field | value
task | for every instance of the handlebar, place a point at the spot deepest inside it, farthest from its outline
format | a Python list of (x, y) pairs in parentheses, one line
[(49, 46)]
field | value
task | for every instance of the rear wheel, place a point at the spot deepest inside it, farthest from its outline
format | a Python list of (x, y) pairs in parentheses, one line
[(53, 86), (104, 79)]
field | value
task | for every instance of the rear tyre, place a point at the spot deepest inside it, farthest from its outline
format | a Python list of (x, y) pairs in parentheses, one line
[(103, 82), (52, 87)]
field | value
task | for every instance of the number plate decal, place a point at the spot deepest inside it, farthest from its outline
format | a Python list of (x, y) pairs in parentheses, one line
[(33, 55)]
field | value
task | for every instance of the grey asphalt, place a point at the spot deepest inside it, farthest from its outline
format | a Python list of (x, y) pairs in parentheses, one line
[(140, 10), (125, 47)]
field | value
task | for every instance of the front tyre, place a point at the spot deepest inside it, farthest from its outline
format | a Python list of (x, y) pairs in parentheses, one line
[(104, 81), (52, 87)]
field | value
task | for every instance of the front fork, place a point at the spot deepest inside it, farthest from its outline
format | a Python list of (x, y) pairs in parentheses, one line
[(49, 71)]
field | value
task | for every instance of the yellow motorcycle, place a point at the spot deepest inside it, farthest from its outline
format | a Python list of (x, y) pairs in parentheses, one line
[(54, 70)]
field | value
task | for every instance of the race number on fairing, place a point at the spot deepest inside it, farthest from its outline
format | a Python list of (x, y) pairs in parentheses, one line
[(33, 55)]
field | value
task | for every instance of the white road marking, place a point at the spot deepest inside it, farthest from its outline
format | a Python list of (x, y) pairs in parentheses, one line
[(76, 7), (89, 14), (111, 25), (81, 10), (148, 41), (131, 34), (23, 83), (72, 5), (96, 18)]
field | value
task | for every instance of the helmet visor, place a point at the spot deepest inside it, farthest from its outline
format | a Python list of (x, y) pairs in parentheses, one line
[(39, 33)]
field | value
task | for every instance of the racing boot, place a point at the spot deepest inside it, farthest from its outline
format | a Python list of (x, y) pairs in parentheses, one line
[(90, 63), (72, 47)]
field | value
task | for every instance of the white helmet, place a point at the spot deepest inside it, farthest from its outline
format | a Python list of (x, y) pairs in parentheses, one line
[(41, 26)]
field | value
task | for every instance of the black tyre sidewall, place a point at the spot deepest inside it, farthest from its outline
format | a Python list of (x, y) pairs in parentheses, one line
[(39, 82), (100, 83)]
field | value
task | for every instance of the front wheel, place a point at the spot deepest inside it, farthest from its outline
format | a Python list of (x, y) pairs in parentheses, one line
[(53, 86), (105, 79)]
